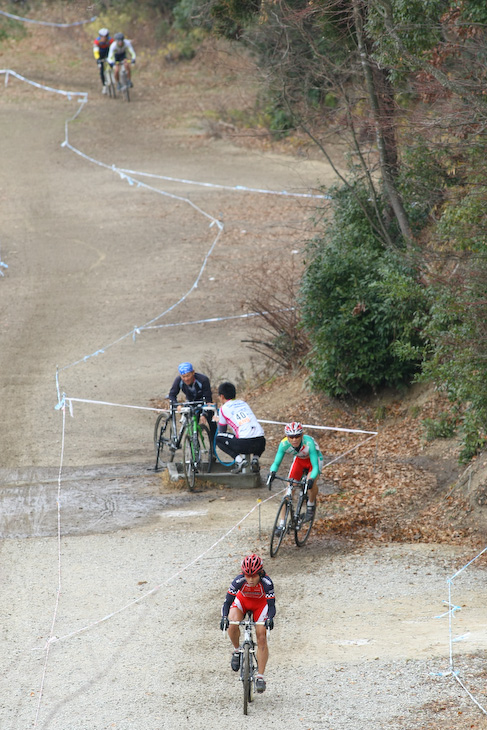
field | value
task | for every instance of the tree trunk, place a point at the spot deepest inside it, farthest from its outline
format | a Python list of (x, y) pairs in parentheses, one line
[(380, 94)]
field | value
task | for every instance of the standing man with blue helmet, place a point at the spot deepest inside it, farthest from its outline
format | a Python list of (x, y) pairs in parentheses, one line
[(195, 386)]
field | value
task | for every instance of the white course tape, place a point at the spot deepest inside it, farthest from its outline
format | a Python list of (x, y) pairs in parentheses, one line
[(323, 428), (46, 22), (236, 188), (210, 320), (82, 95)]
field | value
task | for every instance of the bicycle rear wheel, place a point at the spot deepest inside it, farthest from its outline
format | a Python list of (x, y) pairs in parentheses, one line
[(109, 83), (188, 461), (302, 528), (246, 677), (206, 453), (163, 436), (278, 533)]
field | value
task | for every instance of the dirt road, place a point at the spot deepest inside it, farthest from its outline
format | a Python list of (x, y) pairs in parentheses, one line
[(130, 610)]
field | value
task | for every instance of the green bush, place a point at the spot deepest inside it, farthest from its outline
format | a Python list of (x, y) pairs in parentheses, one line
[(361, 304), (442, 427), (457, 351)]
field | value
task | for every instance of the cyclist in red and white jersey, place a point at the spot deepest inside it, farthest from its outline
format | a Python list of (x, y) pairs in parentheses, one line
[(101, 46), (307, 457), (251, 590)]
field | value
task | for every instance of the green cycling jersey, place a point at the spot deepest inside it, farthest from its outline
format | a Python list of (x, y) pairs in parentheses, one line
[(307, 449)]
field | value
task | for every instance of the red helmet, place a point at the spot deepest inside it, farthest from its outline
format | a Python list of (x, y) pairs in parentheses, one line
[(293, 429), (251, 565)]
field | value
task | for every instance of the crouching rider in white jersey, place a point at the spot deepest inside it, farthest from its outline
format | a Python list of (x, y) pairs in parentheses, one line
[(248, 435)]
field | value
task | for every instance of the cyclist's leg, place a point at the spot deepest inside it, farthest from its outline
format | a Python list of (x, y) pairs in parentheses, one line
[(235, 614), (261, 634), (228, 444), (312, 493), (126, 63)]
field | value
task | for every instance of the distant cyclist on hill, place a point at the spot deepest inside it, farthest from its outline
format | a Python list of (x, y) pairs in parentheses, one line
[(118, 54), (307, 458), (101, 46)]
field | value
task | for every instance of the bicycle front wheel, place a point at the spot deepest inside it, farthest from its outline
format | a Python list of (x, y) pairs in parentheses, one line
[(206, 453), (252, 673), (125, 84), (246, 677), (278, 531), (163, 436), (302, 528), (188, 461)]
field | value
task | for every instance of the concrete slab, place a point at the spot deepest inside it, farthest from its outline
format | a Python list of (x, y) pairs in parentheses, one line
[(218, 475)]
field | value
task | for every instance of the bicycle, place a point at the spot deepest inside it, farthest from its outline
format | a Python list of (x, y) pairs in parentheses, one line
[(123, 80), (288, 518), (109, 79), (248, 660), (194, 439)]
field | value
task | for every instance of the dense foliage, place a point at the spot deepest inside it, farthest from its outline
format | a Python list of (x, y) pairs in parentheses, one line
[(358, 303)]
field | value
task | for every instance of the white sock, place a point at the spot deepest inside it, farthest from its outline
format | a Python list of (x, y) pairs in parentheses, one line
[(239, 458), (311, 504)]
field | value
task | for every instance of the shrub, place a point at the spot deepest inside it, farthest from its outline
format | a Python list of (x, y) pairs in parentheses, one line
[(361, 304)]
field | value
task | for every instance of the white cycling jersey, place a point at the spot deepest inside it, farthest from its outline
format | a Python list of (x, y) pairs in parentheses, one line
[(118, 53), (239, 415)]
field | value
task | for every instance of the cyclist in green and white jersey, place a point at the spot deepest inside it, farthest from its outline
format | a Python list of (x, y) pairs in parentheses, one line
[(307, 458)]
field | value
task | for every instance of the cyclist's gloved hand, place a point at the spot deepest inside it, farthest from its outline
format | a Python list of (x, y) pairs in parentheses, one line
[(309, 484), (99, 61), (112, 65), (133, 60), (224, 623), (269, 623), (270, 478)]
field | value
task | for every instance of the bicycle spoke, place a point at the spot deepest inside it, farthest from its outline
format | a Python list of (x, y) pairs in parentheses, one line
[(188, 461), (302, 528), (205, 449), (246, 676), (278, 532), (163, 439)]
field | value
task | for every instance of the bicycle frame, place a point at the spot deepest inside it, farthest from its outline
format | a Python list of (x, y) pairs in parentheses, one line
[(123, 79), (173, 443), (192, 437), (109, 80), (197, 437), (290, 518), (248, 663)]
